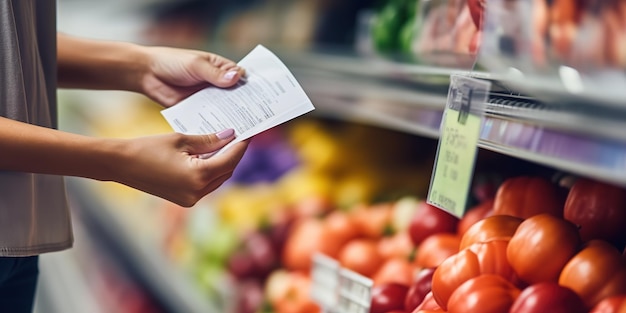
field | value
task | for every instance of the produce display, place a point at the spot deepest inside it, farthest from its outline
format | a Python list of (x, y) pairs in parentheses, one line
[(356, 193), (442, 33), (586, 35), (257, 235), (525, 245)]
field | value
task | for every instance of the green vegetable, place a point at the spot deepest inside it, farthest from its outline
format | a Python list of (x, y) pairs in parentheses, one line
[(393, 27)]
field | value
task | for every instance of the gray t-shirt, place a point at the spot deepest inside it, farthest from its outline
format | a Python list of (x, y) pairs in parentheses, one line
[(34, 215)]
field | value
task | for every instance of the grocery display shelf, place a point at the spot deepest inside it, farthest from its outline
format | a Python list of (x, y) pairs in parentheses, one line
[(575, 137), (161, 279), (405, 98)]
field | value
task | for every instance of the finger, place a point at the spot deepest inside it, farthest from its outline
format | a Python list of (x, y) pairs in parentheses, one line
[(219, 71), (227, 161), (201, 144)]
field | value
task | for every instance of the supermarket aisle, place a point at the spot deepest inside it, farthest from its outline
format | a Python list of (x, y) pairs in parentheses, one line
[(63, 288)]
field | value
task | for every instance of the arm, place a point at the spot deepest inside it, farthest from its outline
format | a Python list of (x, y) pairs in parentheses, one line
[(166, 75), (164, 165)]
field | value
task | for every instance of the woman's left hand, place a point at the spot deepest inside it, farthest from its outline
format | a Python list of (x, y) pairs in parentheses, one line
[(174, 74)]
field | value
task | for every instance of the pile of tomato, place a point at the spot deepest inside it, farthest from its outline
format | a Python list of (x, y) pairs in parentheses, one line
[(532, 247)]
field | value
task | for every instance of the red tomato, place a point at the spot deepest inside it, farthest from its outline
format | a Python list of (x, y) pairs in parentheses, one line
[(487, 293), (420, 287), (398, 245), (527, 196), (388, 297), (295, 297), (492, 258), (496, 227), (474, 215), (599, 210), (341, 227), (429, 220), (436, 248), (548, 297), (361, 256), (615, 304), (394, 270), (305, 238), (596, 272), (480, 258), (373, 221), (453, 272), (541, 247)]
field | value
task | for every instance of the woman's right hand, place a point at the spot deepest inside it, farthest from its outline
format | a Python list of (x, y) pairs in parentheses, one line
[(169, 166)]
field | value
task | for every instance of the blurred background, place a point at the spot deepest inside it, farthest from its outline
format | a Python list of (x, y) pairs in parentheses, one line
[(378, 73)]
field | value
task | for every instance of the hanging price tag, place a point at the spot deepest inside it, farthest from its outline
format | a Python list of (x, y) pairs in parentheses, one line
[(355, 292), (325, 281), (458, 143)]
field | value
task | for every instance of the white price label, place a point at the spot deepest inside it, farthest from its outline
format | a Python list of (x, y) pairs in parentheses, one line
[(325, 281), (355, 292)]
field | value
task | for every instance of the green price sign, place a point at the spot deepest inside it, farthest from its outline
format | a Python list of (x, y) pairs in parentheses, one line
[(458, 143)]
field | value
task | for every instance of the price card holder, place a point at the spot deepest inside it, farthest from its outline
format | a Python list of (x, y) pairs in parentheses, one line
[(355, 292), (458, 143), (325, 281)]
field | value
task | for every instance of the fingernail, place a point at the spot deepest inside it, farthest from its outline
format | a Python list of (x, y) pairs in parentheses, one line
[(226, 133), (229, 75)]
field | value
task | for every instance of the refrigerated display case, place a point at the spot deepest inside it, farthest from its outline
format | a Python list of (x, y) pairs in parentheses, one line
[(369, 145)]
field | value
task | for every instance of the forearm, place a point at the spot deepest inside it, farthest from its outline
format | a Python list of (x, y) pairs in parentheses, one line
[(92, 64), (43, 150)]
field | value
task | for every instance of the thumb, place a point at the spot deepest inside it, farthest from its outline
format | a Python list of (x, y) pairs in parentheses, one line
[(220, 76), (202, 144)]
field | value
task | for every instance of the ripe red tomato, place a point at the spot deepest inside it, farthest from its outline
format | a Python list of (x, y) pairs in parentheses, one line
[(479, 259), (420, 287), (453, 272), (398, 245), (527, 196), (548, 297), (341, 227), (475, 214), (492, 258), (487, 293), (541, 247), (495, 227), (428, 220), (361, 256), (373, 221), (596, 272), (293, 295), (599, 210), (394, 270), (436, 248), (388, 297), (308, 236), (615, 304)]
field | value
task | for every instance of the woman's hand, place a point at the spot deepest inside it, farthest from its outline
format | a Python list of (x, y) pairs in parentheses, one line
[(173, 74), (168, 166), (166, 75)]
